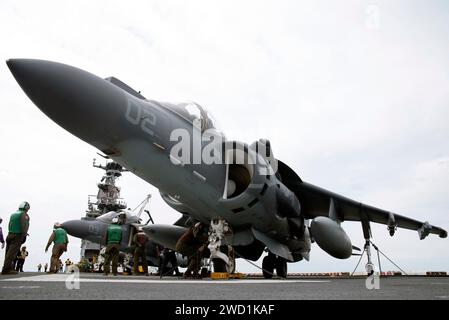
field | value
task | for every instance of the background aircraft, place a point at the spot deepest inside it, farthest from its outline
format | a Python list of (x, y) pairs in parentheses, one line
[(95, 229)]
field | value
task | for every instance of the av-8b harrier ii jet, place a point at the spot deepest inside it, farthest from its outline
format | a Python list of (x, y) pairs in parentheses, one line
[(252, 201)]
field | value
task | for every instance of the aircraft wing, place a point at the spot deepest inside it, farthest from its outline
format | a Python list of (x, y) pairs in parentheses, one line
[(316, 201)]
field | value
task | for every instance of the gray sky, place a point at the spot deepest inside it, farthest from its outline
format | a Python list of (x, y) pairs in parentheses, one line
[(355, 98)]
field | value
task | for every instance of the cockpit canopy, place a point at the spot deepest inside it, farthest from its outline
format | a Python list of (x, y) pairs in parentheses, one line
[(127, 217), (192, 111)]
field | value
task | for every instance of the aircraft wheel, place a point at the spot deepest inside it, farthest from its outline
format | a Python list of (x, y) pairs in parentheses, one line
[(281, 267), (204, 273), (268, 267), (219, 265)]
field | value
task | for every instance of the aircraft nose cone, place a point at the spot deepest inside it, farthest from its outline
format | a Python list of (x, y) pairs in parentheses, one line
[(82, 103), (91, 230), (10, 63), (76, 228)]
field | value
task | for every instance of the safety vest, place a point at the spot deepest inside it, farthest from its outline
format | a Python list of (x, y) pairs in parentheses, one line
[(114, 234), (15, 225), (60, 236)]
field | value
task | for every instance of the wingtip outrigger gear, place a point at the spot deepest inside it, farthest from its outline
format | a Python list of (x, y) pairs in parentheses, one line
[(367, 248)]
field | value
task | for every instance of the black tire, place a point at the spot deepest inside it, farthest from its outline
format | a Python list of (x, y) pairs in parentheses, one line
[(268, 267), (204, 273), (281, 267), (219, 265)]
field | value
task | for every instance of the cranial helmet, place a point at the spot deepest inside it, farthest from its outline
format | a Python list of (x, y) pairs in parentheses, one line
[(24, 206)]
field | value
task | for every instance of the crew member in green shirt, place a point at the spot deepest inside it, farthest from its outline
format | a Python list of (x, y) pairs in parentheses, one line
[(17, 233), (112, 253), (60, 240)]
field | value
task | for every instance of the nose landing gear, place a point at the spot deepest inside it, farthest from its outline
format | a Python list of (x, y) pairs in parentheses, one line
[(221, 253)]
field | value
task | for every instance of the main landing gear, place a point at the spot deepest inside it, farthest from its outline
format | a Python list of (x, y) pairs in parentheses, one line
[(271, 262)]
